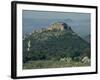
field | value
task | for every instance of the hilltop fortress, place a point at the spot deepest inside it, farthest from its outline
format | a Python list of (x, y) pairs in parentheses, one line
[(58, 26), (55, 26)]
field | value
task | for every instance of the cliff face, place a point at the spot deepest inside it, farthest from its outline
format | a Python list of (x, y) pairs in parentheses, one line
[(58, 26), (55, 26)]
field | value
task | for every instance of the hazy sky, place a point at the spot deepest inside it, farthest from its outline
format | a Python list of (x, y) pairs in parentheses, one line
[(54, 15)]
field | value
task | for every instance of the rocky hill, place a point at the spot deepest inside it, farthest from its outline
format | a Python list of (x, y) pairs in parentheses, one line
[(59, 26), (54, 42)]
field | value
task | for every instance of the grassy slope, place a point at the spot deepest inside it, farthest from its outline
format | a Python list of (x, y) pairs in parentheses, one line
[(52, 64), (46, 43)]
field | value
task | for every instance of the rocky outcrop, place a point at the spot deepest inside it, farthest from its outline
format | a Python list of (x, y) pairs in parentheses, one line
[(86, 59), (55, 26), (59, 26)]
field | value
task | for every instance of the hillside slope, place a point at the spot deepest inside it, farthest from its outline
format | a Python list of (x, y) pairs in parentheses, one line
[(55, 42)]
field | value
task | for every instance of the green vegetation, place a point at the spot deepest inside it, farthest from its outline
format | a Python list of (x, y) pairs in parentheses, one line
[(47, 47)]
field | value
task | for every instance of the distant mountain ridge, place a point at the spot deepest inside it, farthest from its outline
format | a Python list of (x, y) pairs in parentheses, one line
[(88, 38), (54, 42)]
